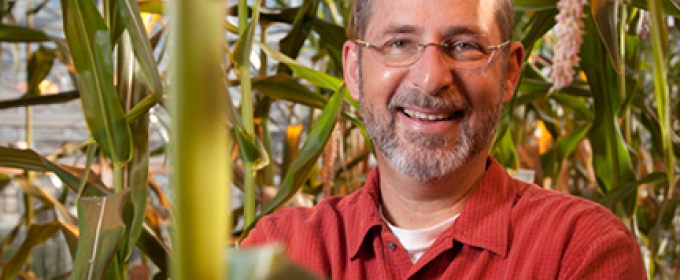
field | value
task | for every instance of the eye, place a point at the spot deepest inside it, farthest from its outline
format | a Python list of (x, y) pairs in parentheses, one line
[(464, 50), (461, 46), (398, 44)]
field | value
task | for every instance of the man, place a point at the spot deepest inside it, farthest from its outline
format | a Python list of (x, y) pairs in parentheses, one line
[(432, 77)]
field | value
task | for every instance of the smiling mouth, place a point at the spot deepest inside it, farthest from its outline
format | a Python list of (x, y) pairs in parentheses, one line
[(432, 117)]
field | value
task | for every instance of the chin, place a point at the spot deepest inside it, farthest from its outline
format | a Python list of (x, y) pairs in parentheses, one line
[(429, 164)]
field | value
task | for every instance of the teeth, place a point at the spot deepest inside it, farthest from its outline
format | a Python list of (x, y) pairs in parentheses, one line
[(426, 117)]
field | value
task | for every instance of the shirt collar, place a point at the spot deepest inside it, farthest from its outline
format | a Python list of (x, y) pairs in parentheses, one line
[(365, 213), (484, 221)]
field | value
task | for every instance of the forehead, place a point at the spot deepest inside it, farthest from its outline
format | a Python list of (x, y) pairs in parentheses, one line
[(432, 17)]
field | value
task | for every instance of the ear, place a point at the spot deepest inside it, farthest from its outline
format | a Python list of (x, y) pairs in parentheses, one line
[(514, 69), (350, 68)]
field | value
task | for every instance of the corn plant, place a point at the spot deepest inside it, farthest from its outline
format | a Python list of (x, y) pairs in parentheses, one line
[(116, 95)]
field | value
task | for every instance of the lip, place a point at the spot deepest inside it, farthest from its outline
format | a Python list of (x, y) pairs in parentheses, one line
[(429, 121), (428, 115)]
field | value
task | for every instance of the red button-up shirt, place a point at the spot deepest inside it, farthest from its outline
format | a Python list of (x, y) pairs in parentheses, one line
[(507, 230)]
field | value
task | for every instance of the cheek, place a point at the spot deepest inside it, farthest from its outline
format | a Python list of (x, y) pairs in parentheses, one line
[(378, 84), (484, 93)]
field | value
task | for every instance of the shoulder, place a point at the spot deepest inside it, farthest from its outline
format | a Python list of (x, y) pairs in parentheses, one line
[(592, 240), (289, 224), (587, 238), (565, 211)]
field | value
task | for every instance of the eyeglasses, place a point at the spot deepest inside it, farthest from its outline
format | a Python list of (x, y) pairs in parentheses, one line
[(469, 54)]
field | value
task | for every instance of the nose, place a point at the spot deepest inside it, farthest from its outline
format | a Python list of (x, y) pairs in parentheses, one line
[(432, 73)]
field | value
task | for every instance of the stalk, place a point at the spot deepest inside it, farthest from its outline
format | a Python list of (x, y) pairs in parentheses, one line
[(118, 178), (627, 133), (664, 111), (268, 171), (28, 200), (201, 170), (247, 101), (242, 15)]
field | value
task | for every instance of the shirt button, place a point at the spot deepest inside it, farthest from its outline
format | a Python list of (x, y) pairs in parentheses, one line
[(391, 245)]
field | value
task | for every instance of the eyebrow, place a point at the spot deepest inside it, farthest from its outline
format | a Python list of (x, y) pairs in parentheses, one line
[(449, 32), (462, 30), (401, 29)]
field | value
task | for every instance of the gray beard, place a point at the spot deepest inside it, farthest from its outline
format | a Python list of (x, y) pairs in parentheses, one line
[(428, 157)]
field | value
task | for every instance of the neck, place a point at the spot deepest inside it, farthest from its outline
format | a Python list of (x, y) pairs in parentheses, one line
[(410, 204)]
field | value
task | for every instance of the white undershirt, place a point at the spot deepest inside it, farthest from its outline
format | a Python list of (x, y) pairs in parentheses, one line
[(417, 241)]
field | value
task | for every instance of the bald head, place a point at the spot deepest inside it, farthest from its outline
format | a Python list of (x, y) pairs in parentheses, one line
[(504, 12)]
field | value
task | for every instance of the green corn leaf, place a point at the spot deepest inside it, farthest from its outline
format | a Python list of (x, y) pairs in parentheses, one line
[(37, 234), (535, 5), (20, 34), (242, 51), (550, 122), (362, 129), (610, 199), (39, 66), (567, 144), (131, 87), (143, 107), (332, 37), (504, 150), (9, 238), (299, 31), (137, 173), (154, 248), (668, 6), (265, 262), (30, 160), (611, 160), (351, 101), (605, 13), (113, 21), (306, 158), (21, 159), (231, 112), (148, 242), (530, 86), (251, 150), (68, 222), (632, 61), (88, 39), (130, 14), (47, 199), (540, 23), (663, 103), (578, 104), (668, 216), (285, 87), (315, 77), (69, 228), (101, 228), (243, 47), (354, 120), (242, 262), (40, 100)]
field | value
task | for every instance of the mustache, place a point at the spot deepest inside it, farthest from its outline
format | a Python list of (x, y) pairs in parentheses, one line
[(449, 101)]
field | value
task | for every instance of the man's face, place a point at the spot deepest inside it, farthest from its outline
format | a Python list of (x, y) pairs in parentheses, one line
[(428, 119)]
